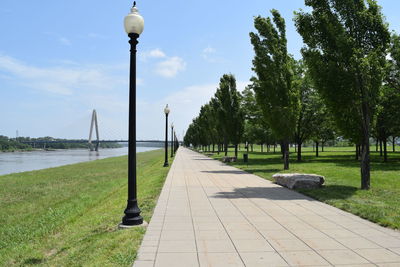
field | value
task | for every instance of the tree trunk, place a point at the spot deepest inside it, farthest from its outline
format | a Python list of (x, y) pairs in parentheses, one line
[(295, 148), (268, 148), (226, 147), (380, 145), (394, 143), (299, 151), (274, 148), (251, 147), (213, 148), (322, 146), (262, 148), (385, 150), (219, 148), (286, 155), (316, 149), (236, 150), (376, 144), (357, 151), (365, 159)]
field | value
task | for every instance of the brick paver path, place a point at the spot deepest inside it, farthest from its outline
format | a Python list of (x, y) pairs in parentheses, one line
[(210, 214)]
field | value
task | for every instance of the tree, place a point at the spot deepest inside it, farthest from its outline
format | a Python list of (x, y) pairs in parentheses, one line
[(388, 116), (273, 84), (393, 66), (346, 42), (324, 129), (254, 129), (310, 112), (230, 114)]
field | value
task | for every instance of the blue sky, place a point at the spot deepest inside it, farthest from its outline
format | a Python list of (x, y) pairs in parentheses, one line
[(61, 59)]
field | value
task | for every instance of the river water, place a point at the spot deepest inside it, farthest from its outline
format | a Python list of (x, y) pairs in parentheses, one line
[(35, 160)]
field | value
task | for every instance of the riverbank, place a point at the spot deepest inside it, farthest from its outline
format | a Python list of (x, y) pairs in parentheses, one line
[(380, 204), (68, 216)]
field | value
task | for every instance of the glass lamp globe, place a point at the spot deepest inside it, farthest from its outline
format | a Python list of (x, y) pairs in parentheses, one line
[(166, 110), (134, 22)]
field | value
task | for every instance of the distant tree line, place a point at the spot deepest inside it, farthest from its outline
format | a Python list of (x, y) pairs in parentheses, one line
[(28, 143), (8, 144), (346, 86)]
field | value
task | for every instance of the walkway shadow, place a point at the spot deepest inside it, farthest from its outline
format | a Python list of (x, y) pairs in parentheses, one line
[(227, 172), (203, 159), (282, 193)]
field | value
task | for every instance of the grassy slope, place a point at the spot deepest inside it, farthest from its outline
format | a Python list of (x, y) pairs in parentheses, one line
[(342, 174), (68, 215)]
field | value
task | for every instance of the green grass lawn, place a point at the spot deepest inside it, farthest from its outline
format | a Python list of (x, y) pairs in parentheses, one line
[(380, 204), (68, 216)]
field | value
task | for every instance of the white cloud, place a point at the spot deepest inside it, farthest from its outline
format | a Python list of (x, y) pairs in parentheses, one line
[(156, 53), (67, 90), (208, 54), (64, 41), (209, 50), (165, 66), (153, 54), (64, 80), (170, 67)]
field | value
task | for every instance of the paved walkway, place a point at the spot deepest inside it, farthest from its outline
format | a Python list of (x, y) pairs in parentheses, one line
[(210, 214)]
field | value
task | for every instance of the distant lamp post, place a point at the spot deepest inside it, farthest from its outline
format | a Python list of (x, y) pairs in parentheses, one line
[(134, 25), (166, 111), (172, 140)]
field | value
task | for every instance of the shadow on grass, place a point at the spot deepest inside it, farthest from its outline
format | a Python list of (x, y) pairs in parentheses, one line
[(281, 193), (263, 170), (347, 161), (330, 192)]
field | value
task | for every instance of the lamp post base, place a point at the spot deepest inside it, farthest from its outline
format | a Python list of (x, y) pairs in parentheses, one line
[(132, 214), (123, 226), (166, 164)]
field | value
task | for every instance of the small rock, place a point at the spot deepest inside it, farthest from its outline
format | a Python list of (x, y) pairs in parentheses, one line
[(299, 180)]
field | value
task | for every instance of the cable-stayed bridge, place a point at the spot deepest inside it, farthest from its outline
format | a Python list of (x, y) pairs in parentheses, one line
[(93, 144)]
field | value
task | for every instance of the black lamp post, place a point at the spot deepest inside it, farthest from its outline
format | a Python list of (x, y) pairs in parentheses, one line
[(172, 140), (134, 25), (166, 111)]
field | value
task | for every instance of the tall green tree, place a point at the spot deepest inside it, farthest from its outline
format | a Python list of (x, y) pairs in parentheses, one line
[(273, 84), (310, 112), (346, 42), (388, 116), (230, 114), (254, 129), (393, 66)]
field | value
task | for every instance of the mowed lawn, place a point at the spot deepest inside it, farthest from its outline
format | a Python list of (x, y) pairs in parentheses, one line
[(68, 216), (380, 204)]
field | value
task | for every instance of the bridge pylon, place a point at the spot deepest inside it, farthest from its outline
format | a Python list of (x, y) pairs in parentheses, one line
[(94, 124)]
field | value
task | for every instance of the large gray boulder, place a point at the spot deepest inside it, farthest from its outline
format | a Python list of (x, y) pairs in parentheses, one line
[(299, 180)]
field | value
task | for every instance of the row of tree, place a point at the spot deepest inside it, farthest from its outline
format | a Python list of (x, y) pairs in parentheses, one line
[(28, 143), (347, 84), (8, 144)]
